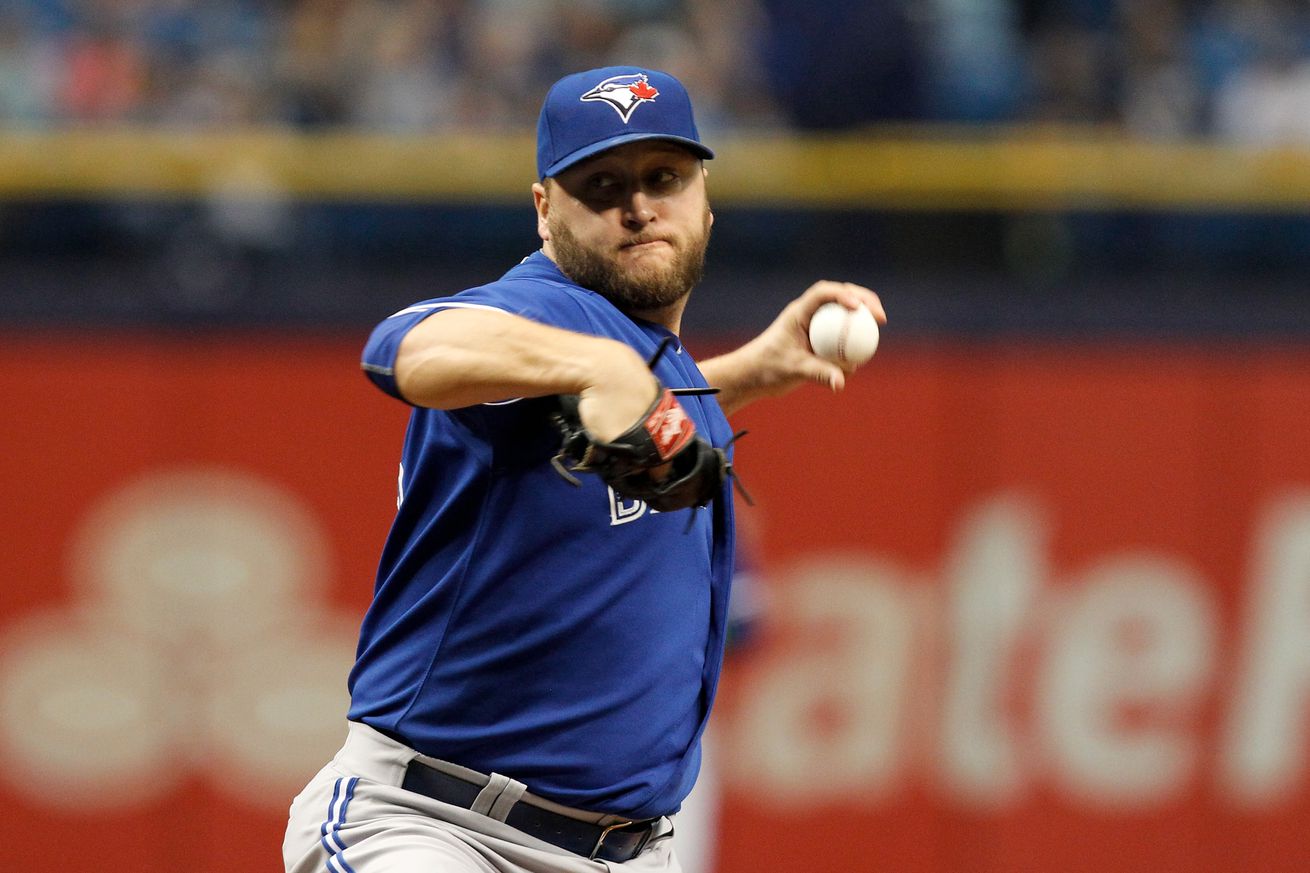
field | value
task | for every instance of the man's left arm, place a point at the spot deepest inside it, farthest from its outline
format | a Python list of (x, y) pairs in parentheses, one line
[(780, 359)]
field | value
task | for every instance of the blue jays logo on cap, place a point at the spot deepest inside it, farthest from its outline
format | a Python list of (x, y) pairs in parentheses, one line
[(624, 93), (576, 122)]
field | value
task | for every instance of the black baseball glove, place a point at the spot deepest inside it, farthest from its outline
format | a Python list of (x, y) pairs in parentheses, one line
[(660, 460)]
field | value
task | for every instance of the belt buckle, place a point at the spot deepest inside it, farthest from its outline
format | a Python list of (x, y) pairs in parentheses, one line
[(600, 841)]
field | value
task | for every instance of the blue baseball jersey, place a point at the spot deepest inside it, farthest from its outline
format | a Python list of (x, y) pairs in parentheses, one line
[(560, 635)]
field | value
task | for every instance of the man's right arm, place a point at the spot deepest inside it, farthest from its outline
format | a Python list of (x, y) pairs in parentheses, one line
[(462, 357)]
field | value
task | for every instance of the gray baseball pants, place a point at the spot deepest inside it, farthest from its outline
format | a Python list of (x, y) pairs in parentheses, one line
[(353, 817)]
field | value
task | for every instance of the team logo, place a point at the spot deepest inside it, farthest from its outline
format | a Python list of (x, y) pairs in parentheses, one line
[(624, 93)]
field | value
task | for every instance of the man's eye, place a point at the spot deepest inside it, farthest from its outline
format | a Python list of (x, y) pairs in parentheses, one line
[(601, 183)]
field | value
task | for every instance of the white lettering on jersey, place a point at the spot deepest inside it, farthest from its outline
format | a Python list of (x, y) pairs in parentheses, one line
[(623, 511)]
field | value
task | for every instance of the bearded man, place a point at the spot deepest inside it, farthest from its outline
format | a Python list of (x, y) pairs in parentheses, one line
[(538, 663)]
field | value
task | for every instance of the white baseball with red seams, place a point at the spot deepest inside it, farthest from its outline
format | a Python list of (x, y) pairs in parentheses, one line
[(845, 336)]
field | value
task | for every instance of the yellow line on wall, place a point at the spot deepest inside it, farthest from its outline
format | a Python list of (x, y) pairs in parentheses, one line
[(908, 170)]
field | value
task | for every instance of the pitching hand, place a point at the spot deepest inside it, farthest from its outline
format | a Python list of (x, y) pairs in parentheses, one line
[(780, 358)]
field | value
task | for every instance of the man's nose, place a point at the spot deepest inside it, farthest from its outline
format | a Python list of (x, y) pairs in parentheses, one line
[(638, 213)]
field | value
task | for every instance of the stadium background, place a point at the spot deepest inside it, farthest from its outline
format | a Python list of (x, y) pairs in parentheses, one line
[(1038, 585)]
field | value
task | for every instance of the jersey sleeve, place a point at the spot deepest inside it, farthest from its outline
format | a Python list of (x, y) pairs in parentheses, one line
[(536, 301)]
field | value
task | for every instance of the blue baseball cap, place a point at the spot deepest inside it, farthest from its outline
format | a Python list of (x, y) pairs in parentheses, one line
[(586, 113)]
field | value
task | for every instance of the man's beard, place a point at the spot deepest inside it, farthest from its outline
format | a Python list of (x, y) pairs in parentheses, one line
[(632, 289)]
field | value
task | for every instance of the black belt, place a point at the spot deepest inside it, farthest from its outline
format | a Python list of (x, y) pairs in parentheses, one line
[(618, 842)]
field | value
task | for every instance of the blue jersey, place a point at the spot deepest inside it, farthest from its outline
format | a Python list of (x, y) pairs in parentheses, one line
[(559, 635)]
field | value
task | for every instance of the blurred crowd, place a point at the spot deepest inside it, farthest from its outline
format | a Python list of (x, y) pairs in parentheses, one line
[(1235, 69)]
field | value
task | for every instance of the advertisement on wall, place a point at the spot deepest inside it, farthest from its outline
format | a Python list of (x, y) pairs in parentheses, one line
[(1020, 607)]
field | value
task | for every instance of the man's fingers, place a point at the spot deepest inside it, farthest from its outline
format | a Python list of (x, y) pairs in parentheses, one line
[(848, 294), (854, 295), (825, 373)]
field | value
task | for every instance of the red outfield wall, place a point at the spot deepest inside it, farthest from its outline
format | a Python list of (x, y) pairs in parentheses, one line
[(1030, 607)]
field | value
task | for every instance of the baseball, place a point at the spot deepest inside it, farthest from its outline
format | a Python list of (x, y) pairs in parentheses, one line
[(844, 336)]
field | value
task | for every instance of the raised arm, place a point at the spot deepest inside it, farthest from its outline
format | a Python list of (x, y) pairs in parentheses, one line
[(461, 357), (780, 358)]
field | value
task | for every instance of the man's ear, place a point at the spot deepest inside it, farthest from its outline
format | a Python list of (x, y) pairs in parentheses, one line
[(541, 202), (705, 176)]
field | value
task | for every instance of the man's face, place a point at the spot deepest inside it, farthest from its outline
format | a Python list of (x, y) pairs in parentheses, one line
[(632, 223)]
